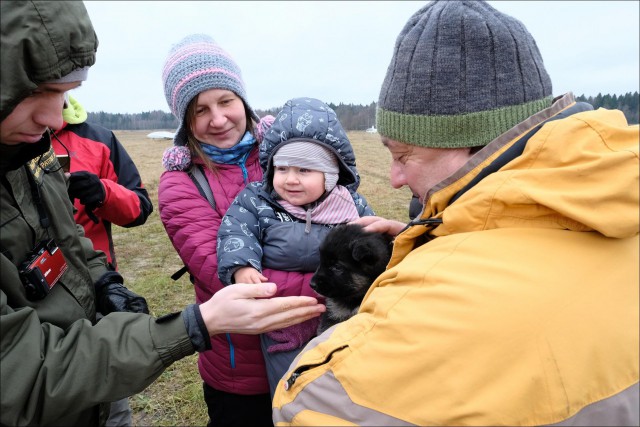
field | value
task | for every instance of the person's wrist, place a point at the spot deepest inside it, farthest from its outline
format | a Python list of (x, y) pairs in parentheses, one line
[(103, 194), (196, 328), (209, 318)]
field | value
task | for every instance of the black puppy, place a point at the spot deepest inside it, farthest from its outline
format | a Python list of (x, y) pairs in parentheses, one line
[(350, 261)]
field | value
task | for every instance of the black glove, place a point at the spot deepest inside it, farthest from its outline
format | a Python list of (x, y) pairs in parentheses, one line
[(111, 295), (87, 187)]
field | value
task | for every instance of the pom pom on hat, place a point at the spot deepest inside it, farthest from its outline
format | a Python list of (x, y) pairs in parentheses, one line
[(196, 64), (176, 158), (263, 126), (462, 73), (303, 154)]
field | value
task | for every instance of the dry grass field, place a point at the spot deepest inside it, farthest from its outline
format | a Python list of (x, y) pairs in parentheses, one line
[(146, 259)]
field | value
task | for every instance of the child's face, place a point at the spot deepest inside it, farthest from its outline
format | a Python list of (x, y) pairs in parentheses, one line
[(298, 186)]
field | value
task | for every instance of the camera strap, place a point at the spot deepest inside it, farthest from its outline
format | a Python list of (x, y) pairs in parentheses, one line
[(37, 199), (44, 264)]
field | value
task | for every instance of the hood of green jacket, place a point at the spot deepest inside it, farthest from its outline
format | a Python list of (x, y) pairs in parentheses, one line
[(41, 41)]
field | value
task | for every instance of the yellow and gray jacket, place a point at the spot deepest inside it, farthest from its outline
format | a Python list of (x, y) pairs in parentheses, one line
[(511, 300)]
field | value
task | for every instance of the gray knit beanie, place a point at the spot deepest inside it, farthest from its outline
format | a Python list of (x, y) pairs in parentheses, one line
[(462, 73), (196, 64), (309, 155)]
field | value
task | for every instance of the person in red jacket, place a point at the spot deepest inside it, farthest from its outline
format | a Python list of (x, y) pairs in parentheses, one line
[(104, 184), (105, 188)]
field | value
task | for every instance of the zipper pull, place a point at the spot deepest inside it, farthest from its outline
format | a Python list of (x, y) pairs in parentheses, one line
[(292, 379), (301, 369)]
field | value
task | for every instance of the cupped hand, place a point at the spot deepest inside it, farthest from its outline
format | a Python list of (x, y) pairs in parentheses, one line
[(245, 308), (377, 224)]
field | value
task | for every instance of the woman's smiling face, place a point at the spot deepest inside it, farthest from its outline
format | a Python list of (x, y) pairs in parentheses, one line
[(220, 118)]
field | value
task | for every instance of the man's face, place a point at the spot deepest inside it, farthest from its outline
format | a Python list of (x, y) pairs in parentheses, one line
[(35, 114), (421, 168)]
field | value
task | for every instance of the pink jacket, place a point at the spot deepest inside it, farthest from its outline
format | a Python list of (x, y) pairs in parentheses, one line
[(235, 363)]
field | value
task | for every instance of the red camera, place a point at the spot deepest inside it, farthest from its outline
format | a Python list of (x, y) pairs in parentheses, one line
[(42, 269)]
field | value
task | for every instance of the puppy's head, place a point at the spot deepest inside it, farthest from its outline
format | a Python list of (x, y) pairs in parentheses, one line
[(350, 260)]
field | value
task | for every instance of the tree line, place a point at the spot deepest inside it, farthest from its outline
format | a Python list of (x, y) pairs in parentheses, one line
[(627, 103), (352, 116)]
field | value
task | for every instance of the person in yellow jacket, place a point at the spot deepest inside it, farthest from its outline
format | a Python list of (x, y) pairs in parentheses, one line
[(512, 298)]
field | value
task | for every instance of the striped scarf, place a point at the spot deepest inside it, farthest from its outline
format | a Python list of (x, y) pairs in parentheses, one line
[(337, 208)]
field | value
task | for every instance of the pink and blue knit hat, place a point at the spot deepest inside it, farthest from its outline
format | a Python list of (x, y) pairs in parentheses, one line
[(196, 64)]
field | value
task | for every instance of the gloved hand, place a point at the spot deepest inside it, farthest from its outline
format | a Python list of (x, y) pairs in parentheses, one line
[(111, 295), (87, 187), (294, 336)]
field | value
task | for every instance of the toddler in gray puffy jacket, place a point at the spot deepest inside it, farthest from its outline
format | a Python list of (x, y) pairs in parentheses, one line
[(273, 229)]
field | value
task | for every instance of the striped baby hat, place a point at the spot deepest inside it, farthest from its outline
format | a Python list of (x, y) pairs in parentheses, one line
[(309, 155)]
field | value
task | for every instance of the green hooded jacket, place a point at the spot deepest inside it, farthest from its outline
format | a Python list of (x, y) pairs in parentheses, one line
[(56, 364)]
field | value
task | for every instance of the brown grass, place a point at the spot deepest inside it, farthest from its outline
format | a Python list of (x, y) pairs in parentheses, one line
[(147, 259)]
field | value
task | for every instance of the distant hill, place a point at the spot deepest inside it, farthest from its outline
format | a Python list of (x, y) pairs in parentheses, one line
[(352, 116)]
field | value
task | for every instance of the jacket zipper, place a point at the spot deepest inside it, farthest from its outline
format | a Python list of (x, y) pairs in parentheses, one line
[(294, 376), (232, 351)]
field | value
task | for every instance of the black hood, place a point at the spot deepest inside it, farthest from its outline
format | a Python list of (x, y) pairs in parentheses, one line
[(41, 41)]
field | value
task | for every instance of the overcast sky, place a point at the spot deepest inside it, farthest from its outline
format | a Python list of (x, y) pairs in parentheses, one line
[(336, 51)]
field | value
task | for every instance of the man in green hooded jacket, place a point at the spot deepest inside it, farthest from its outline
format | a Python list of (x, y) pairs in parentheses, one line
[(53, 353)]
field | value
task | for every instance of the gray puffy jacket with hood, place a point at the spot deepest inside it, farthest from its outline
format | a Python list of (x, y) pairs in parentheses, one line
[(258, 231)]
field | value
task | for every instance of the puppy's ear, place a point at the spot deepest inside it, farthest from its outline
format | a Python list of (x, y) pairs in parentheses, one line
[(364, 250)]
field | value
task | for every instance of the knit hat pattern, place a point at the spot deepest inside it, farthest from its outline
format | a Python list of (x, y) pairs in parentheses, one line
[(462, 73), (309, 155), (197, 64)]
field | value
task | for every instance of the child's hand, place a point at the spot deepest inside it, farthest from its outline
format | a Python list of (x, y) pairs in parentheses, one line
[(248, 275)]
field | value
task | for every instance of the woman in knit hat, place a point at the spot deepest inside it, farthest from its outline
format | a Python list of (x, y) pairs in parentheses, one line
[(217, 134), (273, 230)]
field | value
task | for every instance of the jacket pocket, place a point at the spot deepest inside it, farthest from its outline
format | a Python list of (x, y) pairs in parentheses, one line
[(300, 370)]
